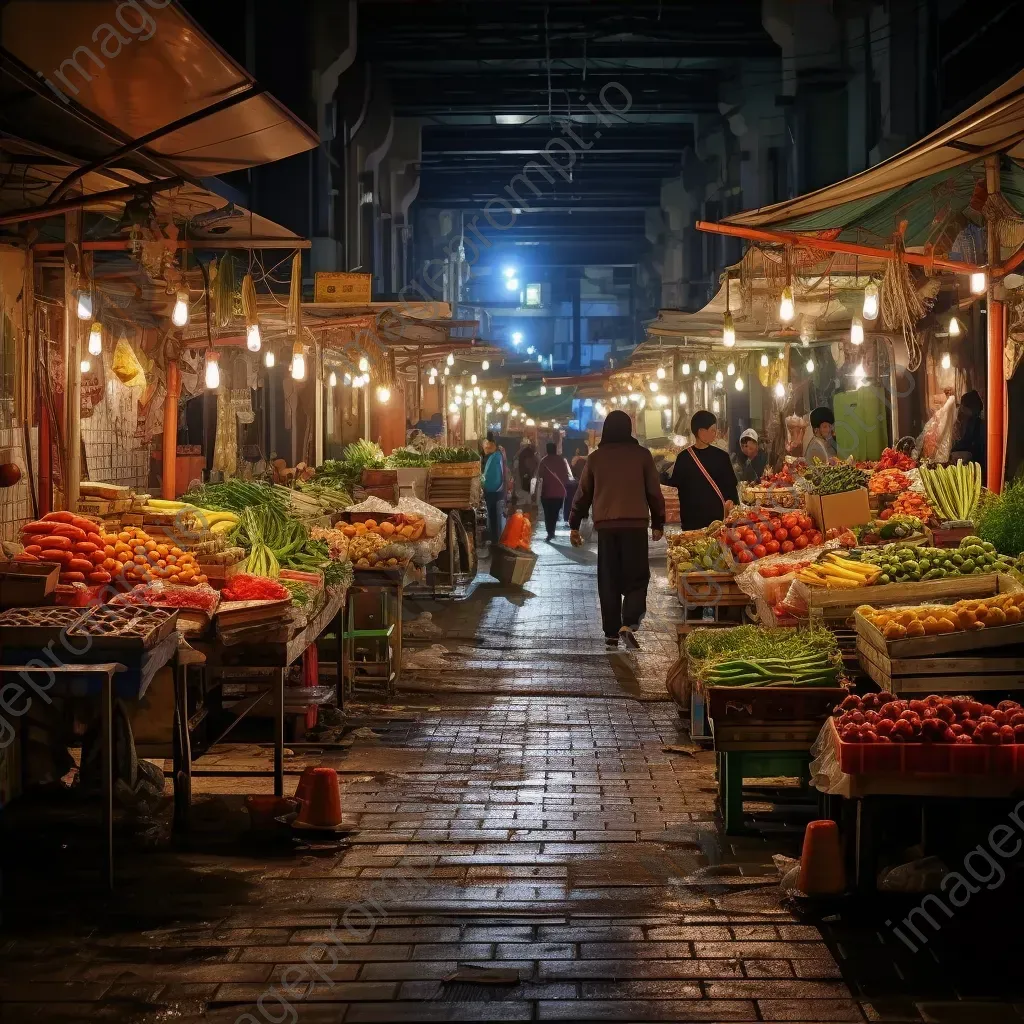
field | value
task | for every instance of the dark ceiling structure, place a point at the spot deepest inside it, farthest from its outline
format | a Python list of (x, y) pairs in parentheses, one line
[(500, 84)]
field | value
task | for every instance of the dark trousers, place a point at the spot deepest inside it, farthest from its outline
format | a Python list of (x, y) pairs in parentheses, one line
[(570, 497), (551, 506), (623, 573), (495, 501)]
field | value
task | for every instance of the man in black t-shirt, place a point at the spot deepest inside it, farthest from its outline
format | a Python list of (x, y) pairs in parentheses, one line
[(704, 476)]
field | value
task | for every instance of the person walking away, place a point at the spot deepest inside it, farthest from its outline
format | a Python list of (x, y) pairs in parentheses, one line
[(751, 461), (579, 460), (620, 484), (822, 445), (527, 465), (554, 474), (969, 434), (704, 476), (494, 490)]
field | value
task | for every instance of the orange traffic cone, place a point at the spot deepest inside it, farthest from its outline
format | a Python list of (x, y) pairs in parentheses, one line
[(322, 808), (821, 863), (302, 789)]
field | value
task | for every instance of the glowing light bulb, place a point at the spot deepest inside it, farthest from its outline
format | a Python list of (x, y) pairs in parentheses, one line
[(946, 361), (686, 369), (179, 315), (662, 399), (517, 338), (716, 406), (488, 407), (496, 395), (730, 369), (739, 383), (682, 399), (433, 371), (212, 370), (780, 390), (451, 359), (458, 389), (530, 423), (383, 395), (870, 309), (702, 366), (476, 391), (530, 350), (810, 366), (253, 341), (485, 365), (719, 377), (764, 359), (95, 340), (728, 331), (558, 391), (787, 308), (661, 373), (85, 366), (623, 399), (473, 378), (954, 328), (458, 400), (543, 390), (84, 305), (268, 359), (332, 381), (298, 363), (364, 364), (856, 331), (859, 373), (452, 407), (447, 371), (979, 282), (654, 385), (506, 407)]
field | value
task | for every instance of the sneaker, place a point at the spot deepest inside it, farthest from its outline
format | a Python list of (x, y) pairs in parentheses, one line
[(611, 641), (629, 638)]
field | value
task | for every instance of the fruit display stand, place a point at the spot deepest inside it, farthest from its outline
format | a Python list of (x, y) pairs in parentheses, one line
[(716, 590)]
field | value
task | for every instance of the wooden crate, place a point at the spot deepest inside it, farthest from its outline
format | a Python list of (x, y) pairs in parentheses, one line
[(452, 491), (999, 669), (950, 536), (442, 470)]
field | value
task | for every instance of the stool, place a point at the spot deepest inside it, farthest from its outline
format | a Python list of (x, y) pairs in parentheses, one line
[(736, 765)]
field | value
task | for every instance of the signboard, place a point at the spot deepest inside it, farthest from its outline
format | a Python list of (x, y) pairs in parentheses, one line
[(342, 289)]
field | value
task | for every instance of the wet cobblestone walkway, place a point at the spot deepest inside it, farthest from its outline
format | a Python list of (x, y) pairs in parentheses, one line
[(526, 850)]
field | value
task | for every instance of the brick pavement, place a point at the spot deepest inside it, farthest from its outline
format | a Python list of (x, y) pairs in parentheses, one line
[(516, 811)]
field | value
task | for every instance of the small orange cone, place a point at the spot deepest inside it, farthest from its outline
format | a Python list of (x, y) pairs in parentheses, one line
[(302, 789), (821, 863), (322, 807)]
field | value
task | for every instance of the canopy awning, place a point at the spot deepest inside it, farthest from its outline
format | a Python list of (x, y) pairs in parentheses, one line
[(136, 71)]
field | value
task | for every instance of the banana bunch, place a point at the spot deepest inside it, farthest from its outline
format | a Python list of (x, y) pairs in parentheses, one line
[(216, 522), (836, 572)]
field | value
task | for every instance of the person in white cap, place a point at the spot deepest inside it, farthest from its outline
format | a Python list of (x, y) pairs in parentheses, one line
[(751, 461)]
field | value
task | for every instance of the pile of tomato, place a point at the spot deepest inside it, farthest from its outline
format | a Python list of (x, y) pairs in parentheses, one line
[(764, 533)]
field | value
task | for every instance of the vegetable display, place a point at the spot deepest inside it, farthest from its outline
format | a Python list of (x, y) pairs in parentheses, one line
[(893, 527), (696, 551), (765, 533), (233, 496), (882, 718), (399, 526), (953, 491), (445, 454), (836, 479), (270, 536), (906, 563), (811, 670), (1001, 518), (888, 481), (312, 500), (403, 458), (837, 571), (347, 471), (248, 587), (892, 459), (910, 503), (934, 620)]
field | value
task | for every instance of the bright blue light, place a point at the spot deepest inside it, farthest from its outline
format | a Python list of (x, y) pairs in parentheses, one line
[(509, 271), (512, 283), (540, 359), (517, 338), (530, 351)]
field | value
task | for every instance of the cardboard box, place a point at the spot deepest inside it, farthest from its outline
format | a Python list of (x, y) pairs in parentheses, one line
[(839, 510)]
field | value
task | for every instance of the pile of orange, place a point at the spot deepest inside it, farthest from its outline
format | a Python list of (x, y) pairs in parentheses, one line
[(135, 554)]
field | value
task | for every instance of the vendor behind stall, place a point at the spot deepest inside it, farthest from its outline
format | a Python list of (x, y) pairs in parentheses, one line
[(822, 445), (751, 461), (969, 433), (704, 476)]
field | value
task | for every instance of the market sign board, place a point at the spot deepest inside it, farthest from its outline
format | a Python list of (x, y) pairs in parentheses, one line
[(342, 289)]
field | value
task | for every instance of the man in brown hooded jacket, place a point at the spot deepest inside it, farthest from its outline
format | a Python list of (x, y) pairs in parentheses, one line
[(620, 482)]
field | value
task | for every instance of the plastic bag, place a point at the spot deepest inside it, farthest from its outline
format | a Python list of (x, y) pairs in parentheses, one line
[(936, 439), (126, 366)]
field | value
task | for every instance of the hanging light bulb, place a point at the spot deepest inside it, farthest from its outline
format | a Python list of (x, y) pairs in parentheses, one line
[(452, 407), (787, 308), (95, 340), (558, 391), (623, 399), (332, 381), (856, 331), (212, 370), (451, 359), (954, 328), (472, 379), (654, 385), (298, 362), (383, 395), (85, 366), (682, 399), (514, 413), (979, 282), (780, 390), (859, 373), (730, 369), (458, 400), (506, 407), (728, 331), (433, 371), (686, 369), (488, 407), (485, 365), (447, 371), (458, 389), (661, 373), (719, 377), (268, 359), (253, 341), (946, 361), (764, 359), (870, 309), (810, 366), (179, 315), (702, 366), (739, 383), (496, 395), (629, 387), (543, 389), (84, 304), (530, 423), (364, 364), (476, 391)]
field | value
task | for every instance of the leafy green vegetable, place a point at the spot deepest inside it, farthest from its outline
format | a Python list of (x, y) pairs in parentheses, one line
[(443, 454), (347, 471), (402, 458), (234, 496), (755, 643), (1001, 518)]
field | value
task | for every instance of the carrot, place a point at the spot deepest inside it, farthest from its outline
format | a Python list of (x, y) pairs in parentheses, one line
[(99, 576), (55, 555), (86, 547), (58, 542), (95, 538), (97, 558), (33, 549), (37, 527), (59, 517), (71, 577), (25, 556), (68, 530), (79, 565)]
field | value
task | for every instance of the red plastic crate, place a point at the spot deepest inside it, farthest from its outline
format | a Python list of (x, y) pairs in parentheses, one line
[(929, 758)]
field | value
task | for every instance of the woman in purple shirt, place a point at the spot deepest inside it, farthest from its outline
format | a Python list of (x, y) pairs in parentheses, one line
[(554, 475)]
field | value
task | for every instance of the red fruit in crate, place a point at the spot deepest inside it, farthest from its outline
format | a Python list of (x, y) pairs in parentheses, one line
[(1008, 705), (781, 534), (759, 551), (872, 717), (1000, 717), (787, 546), (772, 547), (1017, 718), (964, 738), (956, 729), (987, 709), (903, 729), (853, 702), (1006, 734), (974, 709), (884, 727), (969, 726), (910, 716), (855, 717), (946, 713), (1018, 734), (851, 734), (917, 705)]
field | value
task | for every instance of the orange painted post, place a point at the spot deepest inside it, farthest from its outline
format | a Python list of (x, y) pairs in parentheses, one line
[(996, 405), (170, 445)]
